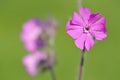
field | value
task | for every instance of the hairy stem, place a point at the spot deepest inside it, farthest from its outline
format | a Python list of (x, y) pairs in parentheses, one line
[(81, 65)]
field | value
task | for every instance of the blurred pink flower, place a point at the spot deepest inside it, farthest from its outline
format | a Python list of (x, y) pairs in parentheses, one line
[(51, 27), (32, 62), (85, 27), (31, 35)]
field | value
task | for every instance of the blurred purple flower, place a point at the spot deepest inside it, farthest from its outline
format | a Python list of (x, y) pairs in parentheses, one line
[(31, 35), (32, 62), (85, 27), (51, 27)]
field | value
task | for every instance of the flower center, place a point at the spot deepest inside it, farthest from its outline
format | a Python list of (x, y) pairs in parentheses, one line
[(87, 28)]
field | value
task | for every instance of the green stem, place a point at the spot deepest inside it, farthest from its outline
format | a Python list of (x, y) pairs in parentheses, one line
[(81, 65), (79, 4), (52, 73)]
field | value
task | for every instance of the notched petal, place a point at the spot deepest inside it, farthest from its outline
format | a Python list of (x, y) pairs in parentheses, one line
[(71, 26), (99, 35), (85, 13), (75, 33), (77, 20), (89, 43), (80, 42), (94, 18)]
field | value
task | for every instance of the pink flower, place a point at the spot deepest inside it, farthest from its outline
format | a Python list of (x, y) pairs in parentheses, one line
[(31, 35), (85, 27), (32, 62)]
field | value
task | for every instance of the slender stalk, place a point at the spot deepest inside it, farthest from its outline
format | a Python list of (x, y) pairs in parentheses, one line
[(79, 4), (52, 73), (81, 65)]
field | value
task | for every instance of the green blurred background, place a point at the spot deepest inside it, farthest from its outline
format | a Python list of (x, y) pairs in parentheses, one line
[(103, 61)]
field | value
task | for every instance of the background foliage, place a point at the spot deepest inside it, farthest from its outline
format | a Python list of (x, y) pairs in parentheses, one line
[(102, 61)]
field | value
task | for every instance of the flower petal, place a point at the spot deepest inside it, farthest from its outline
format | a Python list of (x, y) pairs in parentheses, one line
[(31, 62), (80, 42), (31, 46), (70, 26), (101, 21), (89, 42), (85, 13), (99, 27), (77, 20), (94, 18), (31, 24), (99, 35), (75, 33)]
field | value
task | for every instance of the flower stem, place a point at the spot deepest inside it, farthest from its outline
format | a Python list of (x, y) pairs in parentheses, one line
[(52, 73), (79, 4), (81, 65)]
